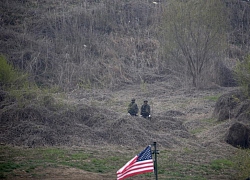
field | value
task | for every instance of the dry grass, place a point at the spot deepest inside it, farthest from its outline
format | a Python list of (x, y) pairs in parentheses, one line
[(181, 124)]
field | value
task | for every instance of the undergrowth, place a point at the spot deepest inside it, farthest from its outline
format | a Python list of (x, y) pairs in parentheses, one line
[(22, 90)]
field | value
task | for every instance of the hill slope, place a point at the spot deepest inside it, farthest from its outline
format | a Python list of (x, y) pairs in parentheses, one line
[(97, 119), (100, 118)]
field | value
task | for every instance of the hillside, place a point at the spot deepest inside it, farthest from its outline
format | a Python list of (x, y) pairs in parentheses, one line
[(86, 60), (100, 117), (106, 44), (181, 120)]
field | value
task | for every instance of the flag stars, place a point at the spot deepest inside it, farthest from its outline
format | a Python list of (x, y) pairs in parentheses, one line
[(145, 155)]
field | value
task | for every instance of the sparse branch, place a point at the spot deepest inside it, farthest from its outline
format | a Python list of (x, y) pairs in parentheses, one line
[(195, 27)]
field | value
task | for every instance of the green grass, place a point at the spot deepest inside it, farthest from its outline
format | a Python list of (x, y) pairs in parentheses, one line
[(212, 98), (219, 164), (207, 122), (242, 163), (197, 130), (29, 159), (14, 160), (171, 169)]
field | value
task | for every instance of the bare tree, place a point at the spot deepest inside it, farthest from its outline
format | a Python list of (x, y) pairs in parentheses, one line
[(194, 35)]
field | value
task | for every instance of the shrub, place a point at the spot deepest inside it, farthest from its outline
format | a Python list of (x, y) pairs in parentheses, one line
[(243, 74), (7, 72), (11, 78), (16, 83)]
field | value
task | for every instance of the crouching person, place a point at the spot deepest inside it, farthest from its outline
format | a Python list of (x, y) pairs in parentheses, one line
[(145, 110), (133, 108)]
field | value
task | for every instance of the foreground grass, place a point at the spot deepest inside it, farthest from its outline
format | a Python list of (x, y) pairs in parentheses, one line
[(103, 161)]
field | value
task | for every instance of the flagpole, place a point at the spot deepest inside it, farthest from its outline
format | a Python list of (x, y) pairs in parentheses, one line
[(155, 152)]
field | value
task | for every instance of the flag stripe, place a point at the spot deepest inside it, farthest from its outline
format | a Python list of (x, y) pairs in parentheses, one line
[(127, 165), (137, 170), (141, 163), (138, 165), (135, 173)]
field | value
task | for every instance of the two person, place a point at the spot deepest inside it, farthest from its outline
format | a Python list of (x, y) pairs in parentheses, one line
[(133, 109)]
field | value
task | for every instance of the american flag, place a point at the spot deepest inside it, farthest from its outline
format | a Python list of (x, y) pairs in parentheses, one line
[(141, 163)]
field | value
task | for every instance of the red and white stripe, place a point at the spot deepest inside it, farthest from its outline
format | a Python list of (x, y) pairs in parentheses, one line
[(132, 168)]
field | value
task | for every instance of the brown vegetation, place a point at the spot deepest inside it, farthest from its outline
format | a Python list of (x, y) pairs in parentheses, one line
[(85, 44), (101, 54)]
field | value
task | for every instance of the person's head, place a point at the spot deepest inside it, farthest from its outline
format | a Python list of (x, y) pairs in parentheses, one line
[(133, 100), (145, 101)]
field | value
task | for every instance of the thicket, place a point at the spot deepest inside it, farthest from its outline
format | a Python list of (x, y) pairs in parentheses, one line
[(7, 73), (12, 78), (87, 44), (17, 88), (84, 44)]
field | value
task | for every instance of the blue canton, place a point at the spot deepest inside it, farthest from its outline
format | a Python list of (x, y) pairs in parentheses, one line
[(145, 154)]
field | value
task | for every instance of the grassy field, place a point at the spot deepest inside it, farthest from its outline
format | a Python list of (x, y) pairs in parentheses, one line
[(33, 163)]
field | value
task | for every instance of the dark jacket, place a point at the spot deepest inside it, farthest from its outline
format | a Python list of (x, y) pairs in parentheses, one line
[(145, 110), (133, 109)]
